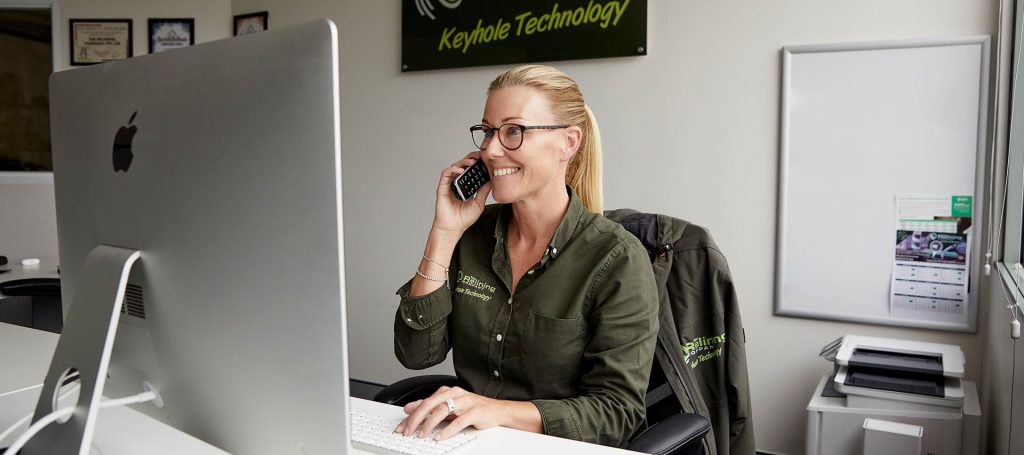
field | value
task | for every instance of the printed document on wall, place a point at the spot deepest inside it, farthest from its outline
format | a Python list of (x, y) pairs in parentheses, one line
[(931, 258)]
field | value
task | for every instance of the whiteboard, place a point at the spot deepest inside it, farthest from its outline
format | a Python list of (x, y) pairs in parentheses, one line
[(861, 123)]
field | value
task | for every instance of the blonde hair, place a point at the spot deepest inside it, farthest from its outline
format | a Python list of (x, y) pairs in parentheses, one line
[(583, 174)]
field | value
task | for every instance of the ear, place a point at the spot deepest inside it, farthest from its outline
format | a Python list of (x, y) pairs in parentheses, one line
[(573, 139)]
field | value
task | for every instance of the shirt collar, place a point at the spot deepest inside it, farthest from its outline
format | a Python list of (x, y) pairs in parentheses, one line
[(566, 228)]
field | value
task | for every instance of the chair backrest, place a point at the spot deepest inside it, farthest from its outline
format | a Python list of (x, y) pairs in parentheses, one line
[(700, 348)]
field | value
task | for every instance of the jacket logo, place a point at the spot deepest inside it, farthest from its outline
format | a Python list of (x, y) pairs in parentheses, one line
[(702, 349)]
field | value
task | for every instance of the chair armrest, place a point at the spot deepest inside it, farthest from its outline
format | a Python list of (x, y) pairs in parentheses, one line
[(676, 435), (414, 388)]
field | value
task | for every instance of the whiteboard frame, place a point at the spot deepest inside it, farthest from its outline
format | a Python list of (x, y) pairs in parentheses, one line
[(788, 52)]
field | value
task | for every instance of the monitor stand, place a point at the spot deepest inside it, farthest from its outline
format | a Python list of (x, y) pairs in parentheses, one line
[(85, 346)]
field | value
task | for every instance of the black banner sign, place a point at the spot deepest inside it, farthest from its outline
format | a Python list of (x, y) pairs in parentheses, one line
[(457, 33)]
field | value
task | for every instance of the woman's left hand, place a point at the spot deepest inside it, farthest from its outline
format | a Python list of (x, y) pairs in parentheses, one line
[(469, 409)]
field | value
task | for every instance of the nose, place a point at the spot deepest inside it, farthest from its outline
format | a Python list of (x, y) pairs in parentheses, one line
[(493, 148)]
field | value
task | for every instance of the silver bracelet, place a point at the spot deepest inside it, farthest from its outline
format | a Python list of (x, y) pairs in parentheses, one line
[(437, 280), (445, 267)]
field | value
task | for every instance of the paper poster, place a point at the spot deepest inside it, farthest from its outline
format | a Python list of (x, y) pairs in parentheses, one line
[(931, 259)]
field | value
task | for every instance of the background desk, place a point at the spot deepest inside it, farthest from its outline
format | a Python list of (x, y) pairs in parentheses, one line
[(124, 431), (47, 268)]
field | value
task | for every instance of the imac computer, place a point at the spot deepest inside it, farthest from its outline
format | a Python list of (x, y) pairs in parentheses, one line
[(219, 164)]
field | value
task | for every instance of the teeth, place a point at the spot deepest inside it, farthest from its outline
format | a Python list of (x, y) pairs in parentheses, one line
[(506, 171)]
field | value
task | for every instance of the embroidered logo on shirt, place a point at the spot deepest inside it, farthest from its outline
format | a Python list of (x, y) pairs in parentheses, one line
[(702, 349), (472, 286)]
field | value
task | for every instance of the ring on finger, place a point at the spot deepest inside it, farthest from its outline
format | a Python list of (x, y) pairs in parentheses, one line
[(451, 406)]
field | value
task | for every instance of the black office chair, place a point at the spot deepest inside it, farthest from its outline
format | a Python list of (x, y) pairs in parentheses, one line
[(41, 311), (666, 430)]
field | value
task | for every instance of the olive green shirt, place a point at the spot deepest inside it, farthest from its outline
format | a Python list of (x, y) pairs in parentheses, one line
[(577, 337)]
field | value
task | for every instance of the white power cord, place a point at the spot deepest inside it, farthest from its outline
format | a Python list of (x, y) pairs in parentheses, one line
[(23, 420), (61, 413), (16, 425)]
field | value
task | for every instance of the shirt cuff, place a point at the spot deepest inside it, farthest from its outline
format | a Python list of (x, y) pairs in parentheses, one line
[(558, 419), (424, 311)]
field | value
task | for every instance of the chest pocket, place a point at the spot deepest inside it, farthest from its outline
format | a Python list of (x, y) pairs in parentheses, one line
[(553, 348)]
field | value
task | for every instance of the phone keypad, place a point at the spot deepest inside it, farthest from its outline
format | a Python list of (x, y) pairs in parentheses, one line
[(470, 181)]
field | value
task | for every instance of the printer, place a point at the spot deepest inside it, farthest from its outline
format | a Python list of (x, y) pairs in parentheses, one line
[(900, 370), (902, 382)]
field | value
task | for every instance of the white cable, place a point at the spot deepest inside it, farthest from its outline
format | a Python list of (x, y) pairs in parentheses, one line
[(28, 417), (36, 427), (61, 413), (139, 398), (16, 425)]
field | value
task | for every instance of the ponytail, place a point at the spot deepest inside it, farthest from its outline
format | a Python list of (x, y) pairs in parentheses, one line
[(584, 172)]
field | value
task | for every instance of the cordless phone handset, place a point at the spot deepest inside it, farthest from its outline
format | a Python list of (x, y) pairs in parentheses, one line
[(466, 185)]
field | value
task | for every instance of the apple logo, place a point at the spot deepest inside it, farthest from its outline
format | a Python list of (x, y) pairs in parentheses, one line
[(123, 145)]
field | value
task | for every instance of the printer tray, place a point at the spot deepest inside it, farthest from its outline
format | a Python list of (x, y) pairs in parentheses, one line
[(896, 381), (869, 384)]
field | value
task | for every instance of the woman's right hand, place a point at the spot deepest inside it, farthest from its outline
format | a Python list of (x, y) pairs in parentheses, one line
[(452, 216)]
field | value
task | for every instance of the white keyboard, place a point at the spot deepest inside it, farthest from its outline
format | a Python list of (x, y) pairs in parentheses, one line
[(376, 433)]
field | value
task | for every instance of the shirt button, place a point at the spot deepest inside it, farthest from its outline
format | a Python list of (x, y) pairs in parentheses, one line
[(495, 373), (530, 272), (498, 337), (510, 300)]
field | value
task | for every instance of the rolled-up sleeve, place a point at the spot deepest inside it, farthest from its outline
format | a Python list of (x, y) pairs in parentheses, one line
[(617, 359), (421, 329)]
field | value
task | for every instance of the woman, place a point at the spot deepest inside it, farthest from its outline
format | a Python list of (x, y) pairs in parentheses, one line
[(550, 309)]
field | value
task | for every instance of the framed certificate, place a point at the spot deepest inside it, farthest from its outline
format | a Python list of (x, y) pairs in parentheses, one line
[(250, 23), (100, 40), (167, 34)]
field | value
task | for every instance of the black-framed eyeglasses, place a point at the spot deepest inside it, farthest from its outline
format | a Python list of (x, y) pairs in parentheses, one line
[(510, 135)]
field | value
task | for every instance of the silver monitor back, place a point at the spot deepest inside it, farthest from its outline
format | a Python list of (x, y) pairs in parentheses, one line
[(231, 189)]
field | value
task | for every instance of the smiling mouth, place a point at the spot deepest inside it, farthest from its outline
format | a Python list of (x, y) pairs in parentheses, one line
[(506, 171)]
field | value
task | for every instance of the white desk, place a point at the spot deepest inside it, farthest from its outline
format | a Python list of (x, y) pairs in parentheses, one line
[(47, 268), (124, 431)]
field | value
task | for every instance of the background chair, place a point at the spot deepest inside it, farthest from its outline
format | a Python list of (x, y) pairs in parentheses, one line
[(32, 302), (701, 340)]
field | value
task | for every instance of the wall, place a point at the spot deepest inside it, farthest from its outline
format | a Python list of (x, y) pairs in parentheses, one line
[(213, 18), (28, 221), (27, 210), (690, 130)]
